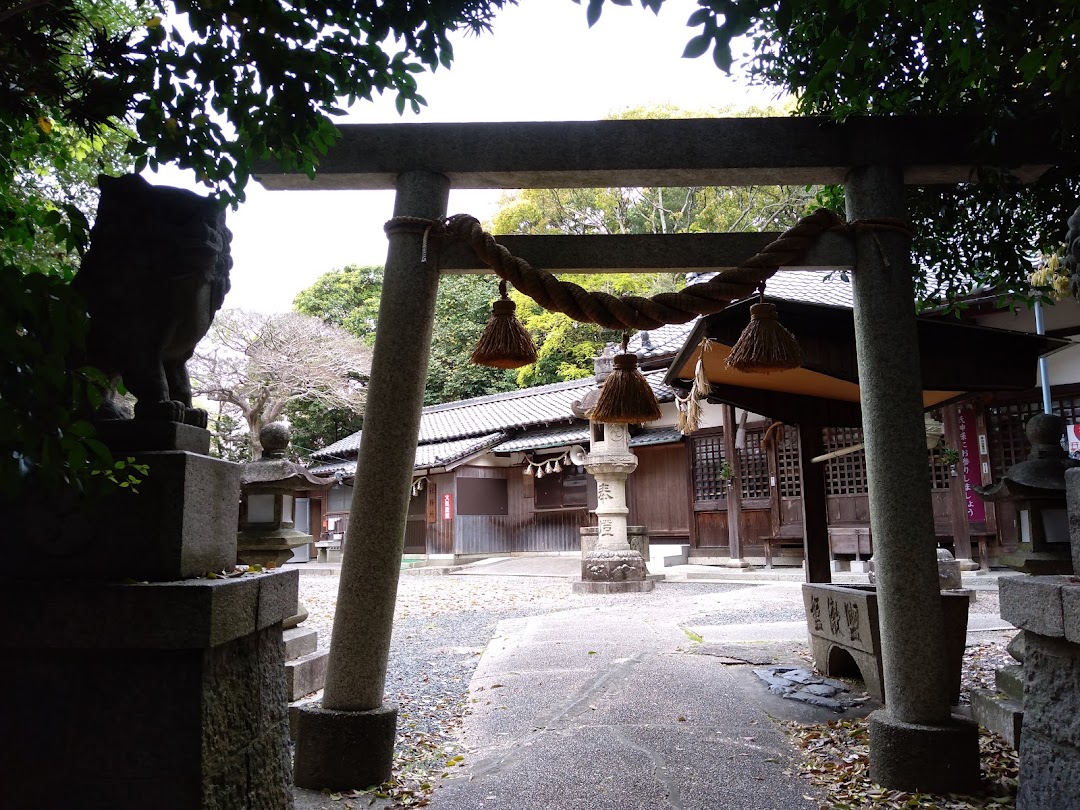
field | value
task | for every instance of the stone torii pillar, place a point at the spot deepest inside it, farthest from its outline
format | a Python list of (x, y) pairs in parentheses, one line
[(916, 743), (348, 740)]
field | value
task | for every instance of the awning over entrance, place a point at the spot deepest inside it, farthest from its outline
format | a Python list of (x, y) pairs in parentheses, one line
[(956, 357)]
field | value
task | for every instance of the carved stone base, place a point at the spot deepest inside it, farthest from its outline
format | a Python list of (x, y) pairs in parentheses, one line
[(602, 565), (644, 586)]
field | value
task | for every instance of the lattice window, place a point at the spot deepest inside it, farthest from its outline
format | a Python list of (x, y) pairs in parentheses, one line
[(708, 453), (1005, 425), (940, 473), (787, 462), (754, 467), (846, 474)]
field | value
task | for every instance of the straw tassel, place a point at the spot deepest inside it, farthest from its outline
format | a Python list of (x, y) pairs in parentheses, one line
[(688, 411), (625, 397), (505, 342), (765, 345), (702, 386)]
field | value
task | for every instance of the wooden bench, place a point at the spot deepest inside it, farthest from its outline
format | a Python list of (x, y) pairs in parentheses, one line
[(779, 542)]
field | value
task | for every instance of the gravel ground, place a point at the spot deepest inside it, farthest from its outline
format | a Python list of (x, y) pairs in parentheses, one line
[(443, 623)]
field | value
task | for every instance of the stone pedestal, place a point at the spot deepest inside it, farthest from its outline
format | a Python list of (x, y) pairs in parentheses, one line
[(1047, 609), (181, 523), (164, 695)]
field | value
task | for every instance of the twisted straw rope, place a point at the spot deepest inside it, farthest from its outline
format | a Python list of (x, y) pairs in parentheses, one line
[(634, 311)]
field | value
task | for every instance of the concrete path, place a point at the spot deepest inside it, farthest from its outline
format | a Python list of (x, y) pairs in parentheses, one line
[(616, 707)]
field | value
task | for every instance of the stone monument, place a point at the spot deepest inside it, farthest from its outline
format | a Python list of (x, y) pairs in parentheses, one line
[(159, 667)]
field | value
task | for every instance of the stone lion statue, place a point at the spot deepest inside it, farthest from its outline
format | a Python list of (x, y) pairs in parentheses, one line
[(156, 273), (1072, 253)]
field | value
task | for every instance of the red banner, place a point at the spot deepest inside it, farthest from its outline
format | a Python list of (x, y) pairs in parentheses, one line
[(970, 464)]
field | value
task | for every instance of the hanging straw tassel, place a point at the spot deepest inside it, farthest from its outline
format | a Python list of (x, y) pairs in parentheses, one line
[(505, 342), (625, 397), (702, 385), (765, 345), (688, 411)]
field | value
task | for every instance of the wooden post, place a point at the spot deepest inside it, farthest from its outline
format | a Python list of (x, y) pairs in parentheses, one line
[(734, 492), (348, 741), (915, 742), (815, 512)]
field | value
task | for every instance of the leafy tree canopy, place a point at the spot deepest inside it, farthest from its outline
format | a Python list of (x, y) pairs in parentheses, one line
[(257, 366), (350, 298), (566, 348), (1008, 62)]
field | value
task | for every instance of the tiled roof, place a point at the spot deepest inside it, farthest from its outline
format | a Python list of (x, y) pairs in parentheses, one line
[(664, 435), (808, 286), (438, 454), (543, 405), (539, 439)]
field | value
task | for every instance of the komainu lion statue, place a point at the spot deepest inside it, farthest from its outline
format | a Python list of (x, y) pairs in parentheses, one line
[(156, 273), (1072, 253)]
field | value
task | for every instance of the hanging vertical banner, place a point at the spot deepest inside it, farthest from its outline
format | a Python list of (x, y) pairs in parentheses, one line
[(969, 462), (447, 506)]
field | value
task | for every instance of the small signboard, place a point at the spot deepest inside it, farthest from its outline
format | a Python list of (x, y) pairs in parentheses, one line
[(1073, 435), (447, 506)]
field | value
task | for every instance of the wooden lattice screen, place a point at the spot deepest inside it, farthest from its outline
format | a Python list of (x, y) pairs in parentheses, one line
[(844, 475), (754, 467), (1005, 424), (708, 455), (939, 471), (787, 462)]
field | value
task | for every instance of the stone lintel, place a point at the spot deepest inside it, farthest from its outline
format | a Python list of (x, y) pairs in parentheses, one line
[(1049, 606), (647, 253), (689, 152), (189, 614)]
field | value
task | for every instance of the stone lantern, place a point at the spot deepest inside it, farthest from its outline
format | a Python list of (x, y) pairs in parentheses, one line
[(1037, 487), (267, 535), (610, 565)]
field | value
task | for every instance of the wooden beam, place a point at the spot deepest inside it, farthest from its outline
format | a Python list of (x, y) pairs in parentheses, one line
[(672, 153), (815, 510), (646, 253)]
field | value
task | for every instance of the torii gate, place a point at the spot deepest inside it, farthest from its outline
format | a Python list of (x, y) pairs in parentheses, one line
[(915, 741)]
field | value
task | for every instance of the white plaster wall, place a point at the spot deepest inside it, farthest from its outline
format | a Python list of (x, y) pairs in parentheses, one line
[(1063, 367)]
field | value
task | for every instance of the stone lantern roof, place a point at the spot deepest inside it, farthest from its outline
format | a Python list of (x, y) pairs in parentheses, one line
[(274, 472)]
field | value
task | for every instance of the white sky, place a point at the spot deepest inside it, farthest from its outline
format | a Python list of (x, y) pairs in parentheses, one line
[(541, 63)]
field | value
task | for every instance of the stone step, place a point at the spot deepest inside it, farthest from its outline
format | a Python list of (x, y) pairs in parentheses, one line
[(300, 641), (1010, 680), (294, 711), (998, 713), (306, 674)]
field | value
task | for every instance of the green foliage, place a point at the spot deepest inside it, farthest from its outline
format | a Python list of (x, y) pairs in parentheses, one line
[(228, 440), (462, 310), (244, 81), (46, 442), (1007, 62), (315, 425), (565, 348), (350, 298)]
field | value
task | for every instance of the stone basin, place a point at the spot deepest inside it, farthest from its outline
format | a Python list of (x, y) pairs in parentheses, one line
[(845, 637)]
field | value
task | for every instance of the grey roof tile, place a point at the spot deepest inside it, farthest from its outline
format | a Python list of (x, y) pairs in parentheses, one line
[(438, 454), (514, 410)]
